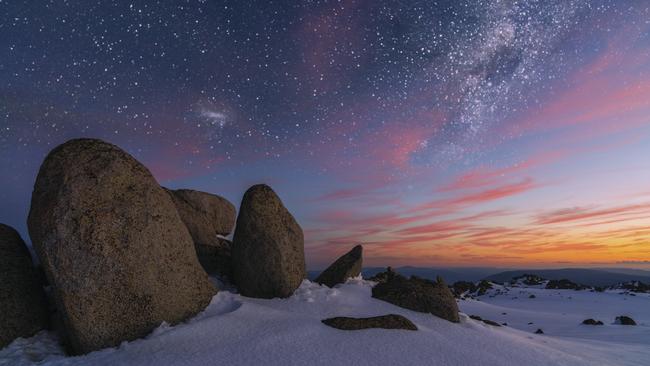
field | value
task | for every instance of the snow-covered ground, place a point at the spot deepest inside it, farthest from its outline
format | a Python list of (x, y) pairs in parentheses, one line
[(559, 313), (234, 330)]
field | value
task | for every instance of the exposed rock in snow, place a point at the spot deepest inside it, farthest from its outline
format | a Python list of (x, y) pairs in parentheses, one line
[(347, 266), (390, 321), (592, 322), (625, 320), (236, 330)]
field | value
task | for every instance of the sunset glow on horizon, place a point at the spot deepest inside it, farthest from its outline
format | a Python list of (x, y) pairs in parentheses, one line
[(502, 135)]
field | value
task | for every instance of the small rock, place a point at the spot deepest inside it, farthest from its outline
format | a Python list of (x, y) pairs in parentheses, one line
[(625, 320), (532, 296), (539, 331), (390, 321), (23, 305), (348, 265), (486, 321), (592, 322), (491, 322)]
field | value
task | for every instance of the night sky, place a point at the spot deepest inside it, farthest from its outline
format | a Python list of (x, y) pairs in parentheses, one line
[(455, 133)]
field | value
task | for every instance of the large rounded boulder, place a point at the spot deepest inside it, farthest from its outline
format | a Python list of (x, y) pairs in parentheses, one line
[(23, 305), (268, 255), (348, 265), (114, 249), (208, 217), (205, 215)]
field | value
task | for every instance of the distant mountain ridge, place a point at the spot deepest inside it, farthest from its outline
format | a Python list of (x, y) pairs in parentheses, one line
[(586, 276), (589, 277), (449, 274)]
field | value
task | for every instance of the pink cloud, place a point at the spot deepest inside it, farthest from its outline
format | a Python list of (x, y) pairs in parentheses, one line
[(484, 176), (584, 213)]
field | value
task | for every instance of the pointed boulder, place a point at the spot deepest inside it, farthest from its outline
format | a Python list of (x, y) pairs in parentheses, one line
[(268, 255), (23, 305), (348, 265), (114, 249)]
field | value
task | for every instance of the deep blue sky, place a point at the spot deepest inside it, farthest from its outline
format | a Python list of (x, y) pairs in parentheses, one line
[(435, 132)]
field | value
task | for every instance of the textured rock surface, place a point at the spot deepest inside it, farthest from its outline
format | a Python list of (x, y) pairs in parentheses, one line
[(390, 321), (348, 265), (23, 305), (114, 249), (418, 294), (205, 215), (268, 246), (215, 257)]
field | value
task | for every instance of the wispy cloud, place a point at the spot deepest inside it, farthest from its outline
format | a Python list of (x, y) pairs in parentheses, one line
[(586, 213)]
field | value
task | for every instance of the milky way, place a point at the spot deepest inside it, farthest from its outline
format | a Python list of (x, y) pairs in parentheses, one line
[(319, 98), (284, 70)]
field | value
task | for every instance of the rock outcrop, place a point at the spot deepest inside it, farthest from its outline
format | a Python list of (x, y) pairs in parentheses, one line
[(348, 265), (390, 321), (207, 216), (23, 305), (382, 277), (564, 284), (483, 287), (419, 295), (114, 249), (460, 288), (268, 246)]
